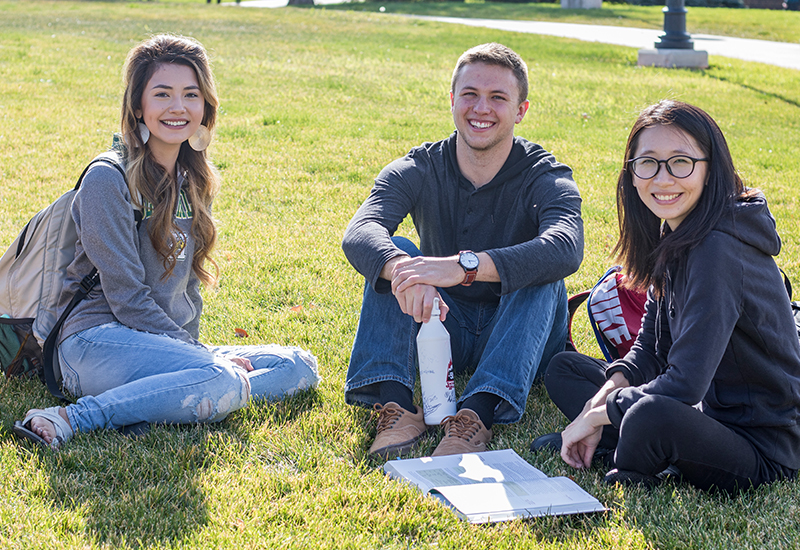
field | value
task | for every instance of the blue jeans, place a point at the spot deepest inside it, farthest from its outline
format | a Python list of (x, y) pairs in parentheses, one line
[(506, 346), (124, 376)]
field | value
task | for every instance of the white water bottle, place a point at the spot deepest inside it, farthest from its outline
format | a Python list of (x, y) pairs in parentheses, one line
[(436, 369)]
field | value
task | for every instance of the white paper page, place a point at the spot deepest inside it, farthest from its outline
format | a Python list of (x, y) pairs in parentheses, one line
[(501, 501), (441, 471)]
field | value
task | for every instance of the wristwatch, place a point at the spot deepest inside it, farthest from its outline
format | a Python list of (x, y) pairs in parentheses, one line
[(469, 261)]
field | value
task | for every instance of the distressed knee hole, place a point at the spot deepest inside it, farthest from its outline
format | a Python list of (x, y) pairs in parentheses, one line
[(245, 392), (204, 409)]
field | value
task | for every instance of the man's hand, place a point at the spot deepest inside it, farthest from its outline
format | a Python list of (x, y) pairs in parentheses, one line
[(426, 270), (417, 301), (414, 281)]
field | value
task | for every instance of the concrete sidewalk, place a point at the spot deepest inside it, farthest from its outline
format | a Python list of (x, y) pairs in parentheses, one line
[(780, 54)]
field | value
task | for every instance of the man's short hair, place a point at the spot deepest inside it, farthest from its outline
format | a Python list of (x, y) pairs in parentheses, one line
[(495, 54)]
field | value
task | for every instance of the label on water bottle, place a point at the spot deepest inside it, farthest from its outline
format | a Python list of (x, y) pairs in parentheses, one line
[(438, 385), (450, 384)]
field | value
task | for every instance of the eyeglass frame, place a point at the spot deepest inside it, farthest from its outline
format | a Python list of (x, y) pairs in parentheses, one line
[(666, 164)]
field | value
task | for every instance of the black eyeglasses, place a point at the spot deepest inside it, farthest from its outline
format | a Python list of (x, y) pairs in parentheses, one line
[(679, 166)]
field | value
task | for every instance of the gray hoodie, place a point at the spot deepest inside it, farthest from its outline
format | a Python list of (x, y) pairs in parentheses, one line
[(131, 289), (528, 218)]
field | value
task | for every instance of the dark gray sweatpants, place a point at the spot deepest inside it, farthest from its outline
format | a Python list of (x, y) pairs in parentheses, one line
[(659, 431)]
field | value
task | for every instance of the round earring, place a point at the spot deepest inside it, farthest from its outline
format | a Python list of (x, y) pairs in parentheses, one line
[(200, 139), (144, 132)]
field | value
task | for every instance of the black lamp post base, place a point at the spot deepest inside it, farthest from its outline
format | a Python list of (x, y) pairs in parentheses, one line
[(675, 42), (675, 36)]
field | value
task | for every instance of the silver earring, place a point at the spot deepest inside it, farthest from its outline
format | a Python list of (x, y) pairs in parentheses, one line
[(144, 132), (200, 139)]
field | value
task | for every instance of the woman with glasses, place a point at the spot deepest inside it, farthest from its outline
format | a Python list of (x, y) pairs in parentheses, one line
[(711, 388)]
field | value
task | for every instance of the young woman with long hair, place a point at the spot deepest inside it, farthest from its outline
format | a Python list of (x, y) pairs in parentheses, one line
[(711, 388), (129, 350)]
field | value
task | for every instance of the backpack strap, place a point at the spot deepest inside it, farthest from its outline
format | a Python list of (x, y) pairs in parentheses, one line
[(602, 342), (573, 304), (49, 351), (787, 283), (49, 355)]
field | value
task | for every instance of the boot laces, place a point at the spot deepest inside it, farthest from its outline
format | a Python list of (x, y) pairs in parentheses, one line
[(461, 426), (387, 416)]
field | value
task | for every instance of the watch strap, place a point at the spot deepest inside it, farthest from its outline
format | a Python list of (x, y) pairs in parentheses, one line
[(469, 277), (469, 274)]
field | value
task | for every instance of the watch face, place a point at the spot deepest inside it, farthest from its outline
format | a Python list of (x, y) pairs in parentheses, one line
[(468, 260)]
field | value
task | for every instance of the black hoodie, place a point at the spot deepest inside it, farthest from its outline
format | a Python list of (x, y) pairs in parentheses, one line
[(528, 218), (723, 336)]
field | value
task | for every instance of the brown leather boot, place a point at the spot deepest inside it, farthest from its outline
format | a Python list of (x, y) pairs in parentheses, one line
[(464, 433), (399, 430)]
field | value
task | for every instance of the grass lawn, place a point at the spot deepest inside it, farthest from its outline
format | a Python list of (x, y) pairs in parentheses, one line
[(776, 25), (314, 102)]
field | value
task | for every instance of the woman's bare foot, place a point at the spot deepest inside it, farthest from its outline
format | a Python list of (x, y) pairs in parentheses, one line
[(44, 428)]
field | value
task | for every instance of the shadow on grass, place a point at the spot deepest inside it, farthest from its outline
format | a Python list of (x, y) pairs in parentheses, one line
[(261, 413), (150, 490), (142, 491), (766, 93)]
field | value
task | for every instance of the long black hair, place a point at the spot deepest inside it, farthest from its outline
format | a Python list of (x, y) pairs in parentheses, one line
[(645, 245)]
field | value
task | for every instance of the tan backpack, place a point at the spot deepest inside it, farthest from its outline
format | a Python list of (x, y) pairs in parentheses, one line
[(32, 273)]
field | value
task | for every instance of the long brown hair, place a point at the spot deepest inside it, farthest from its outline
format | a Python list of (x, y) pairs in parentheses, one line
[(148, 177), (645, 246)]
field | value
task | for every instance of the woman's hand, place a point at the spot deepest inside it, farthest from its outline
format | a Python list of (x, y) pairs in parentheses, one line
[(579, 440), (581, 434), (243, 362)]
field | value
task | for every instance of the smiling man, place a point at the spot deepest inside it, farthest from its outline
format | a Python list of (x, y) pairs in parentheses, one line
[(499, 224)]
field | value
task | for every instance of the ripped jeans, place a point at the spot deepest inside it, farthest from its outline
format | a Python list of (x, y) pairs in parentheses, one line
[(124, 377)]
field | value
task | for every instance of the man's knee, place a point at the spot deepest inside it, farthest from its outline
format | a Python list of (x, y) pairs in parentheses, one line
[(554, 292), (406, 245), (545, 305)]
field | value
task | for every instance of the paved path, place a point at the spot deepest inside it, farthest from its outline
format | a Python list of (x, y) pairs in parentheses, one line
[(275, 3), (762, 51)]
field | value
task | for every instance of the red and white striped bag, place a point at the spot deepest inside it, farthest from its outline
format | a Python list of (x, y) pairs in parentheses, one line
[(615, 313)]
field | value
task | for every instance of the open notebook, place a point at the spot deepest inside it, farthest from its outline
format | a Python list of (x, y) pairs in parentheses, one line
[(493, 486)]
